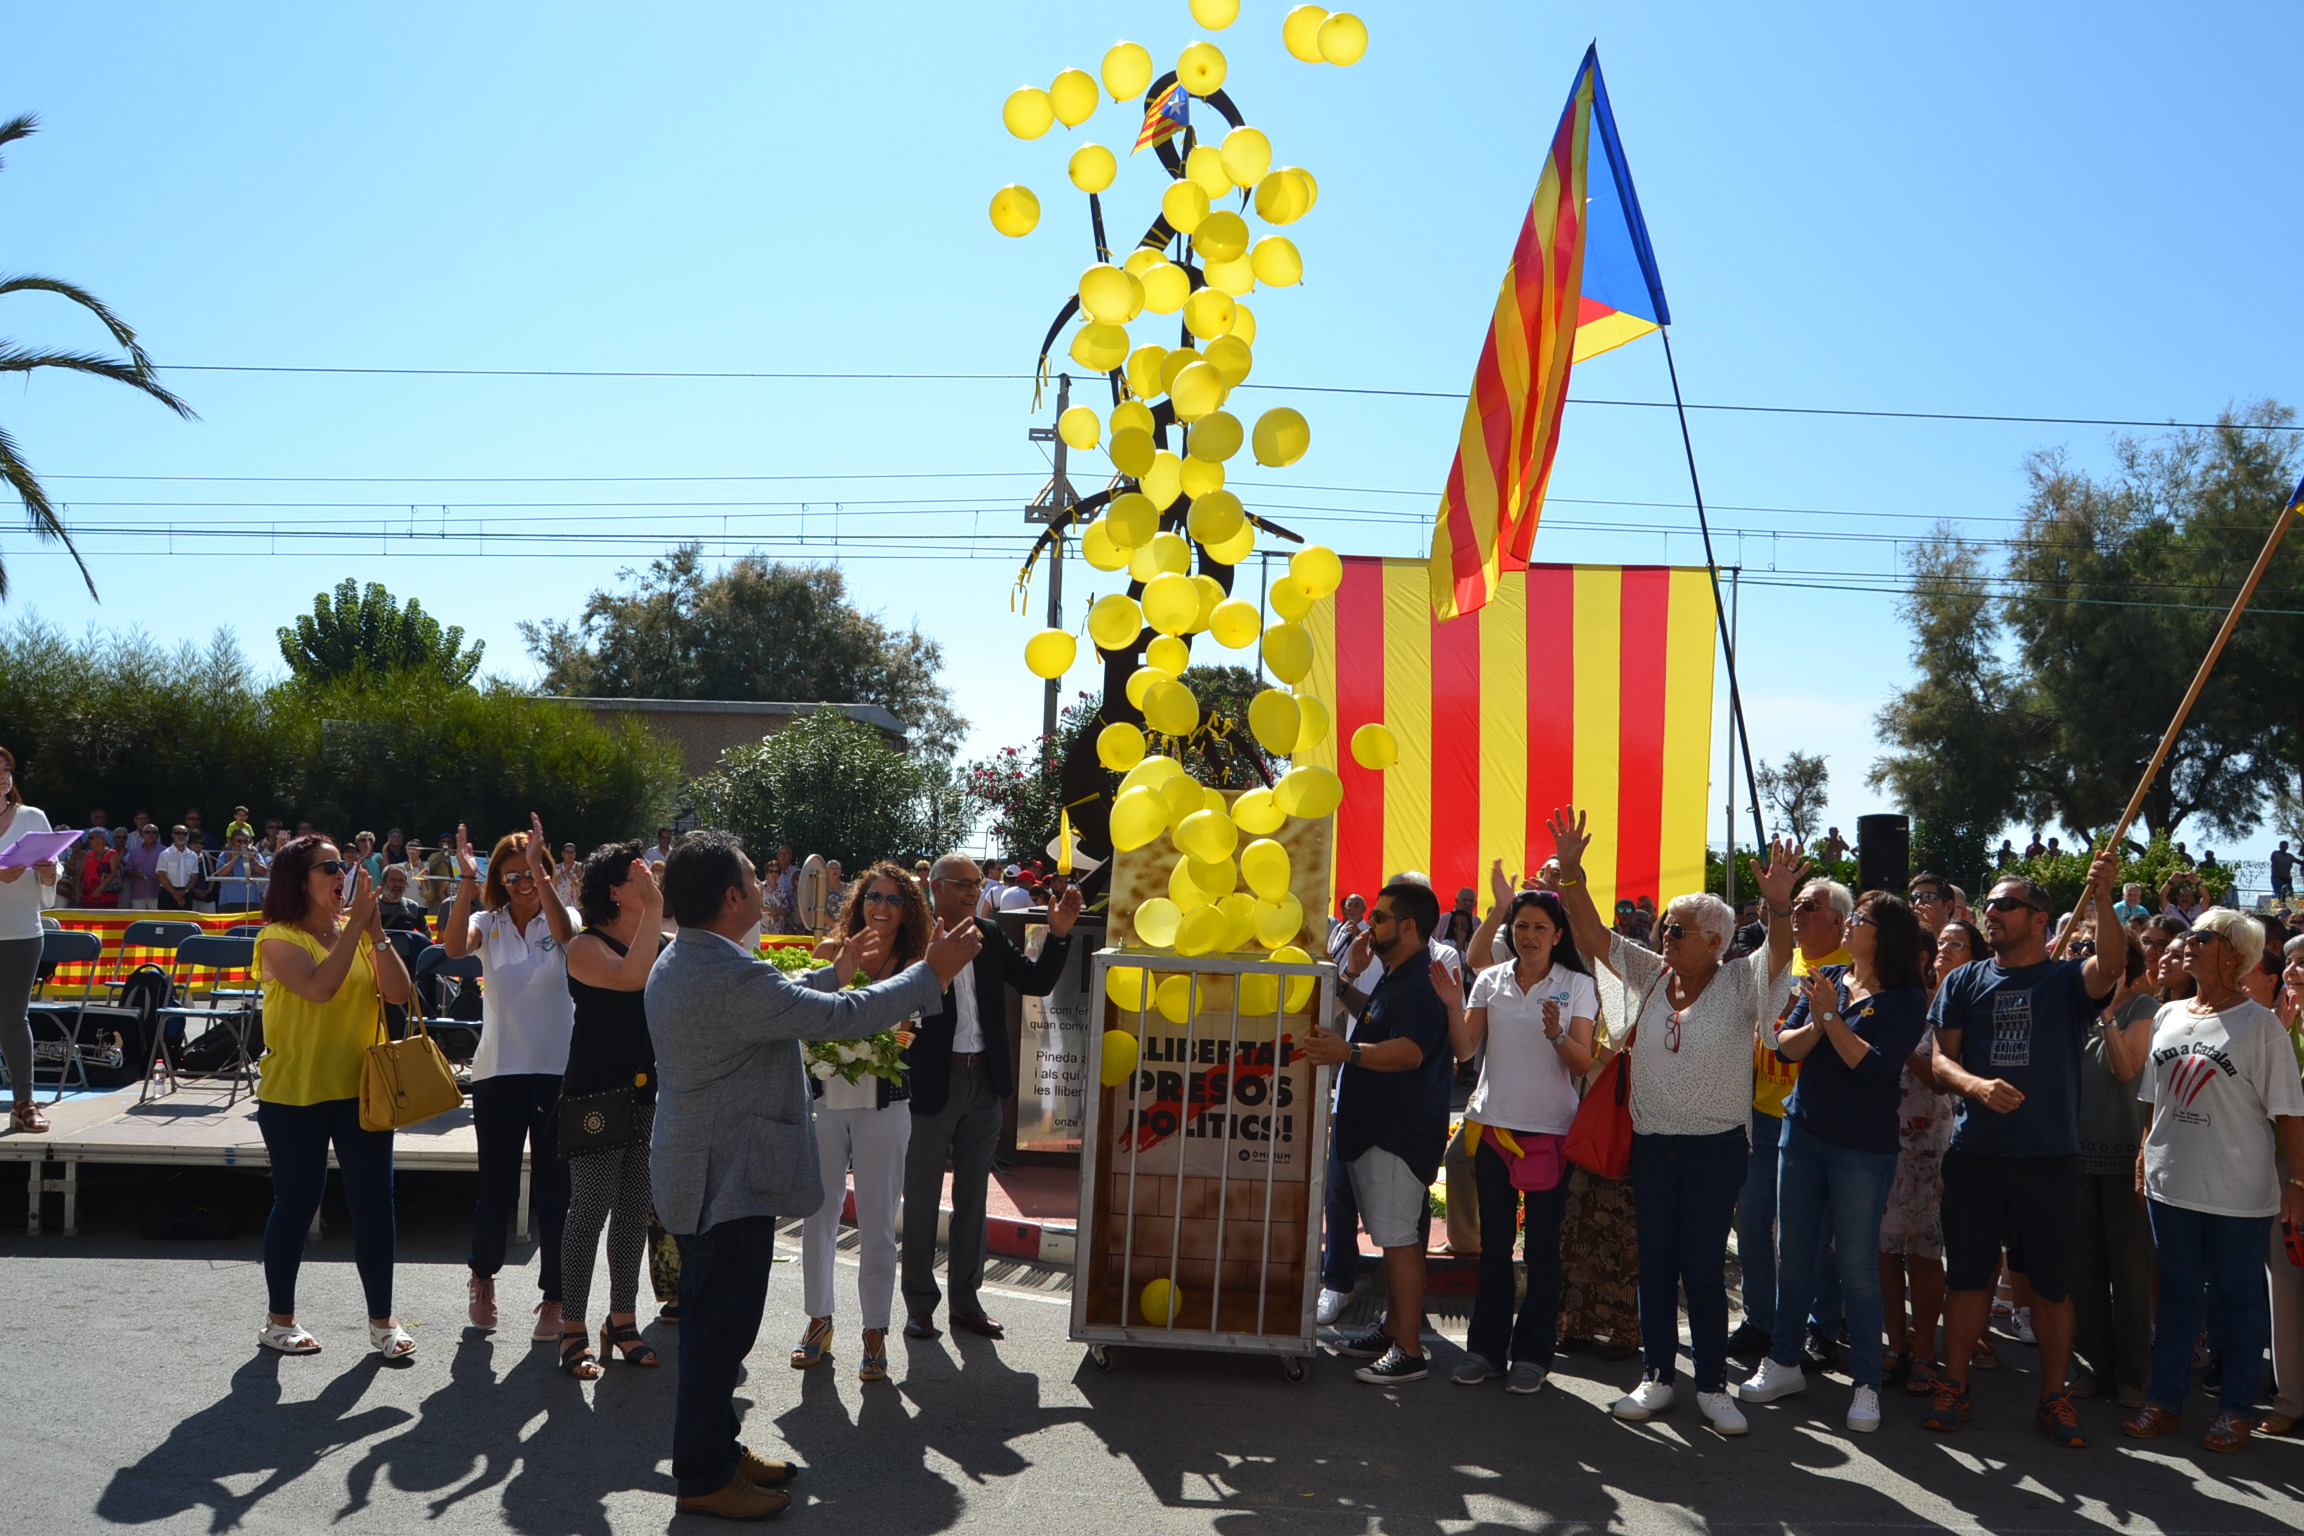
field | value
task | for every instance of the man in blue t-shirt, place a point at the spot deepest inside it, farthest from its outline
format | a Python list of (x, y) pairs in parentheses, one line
[(1392, 1118), (2010, 1032)]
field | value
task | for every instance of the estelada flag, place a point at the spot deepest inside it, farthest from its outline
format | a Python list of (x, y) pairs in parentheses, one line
[(1166, 117), (1582, 281), (1584, 685)]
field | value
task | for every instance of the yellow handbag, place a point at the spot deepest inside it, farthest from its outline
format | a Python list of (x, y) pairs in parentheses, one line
[(405, 1082)]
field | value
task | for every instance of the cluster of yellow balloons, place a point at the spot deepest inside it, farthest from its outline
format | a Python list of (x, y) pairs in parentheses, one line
[(1324, 37)]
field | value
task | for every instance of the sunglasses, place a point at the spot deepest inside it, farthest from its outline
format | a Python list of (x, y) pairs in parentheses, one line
[(1672, 1031), (1674, 930), (1862, 922), (1809, 904), (883, 899), (1927, 898), (332, 866), (2008, 904), (520, 877)]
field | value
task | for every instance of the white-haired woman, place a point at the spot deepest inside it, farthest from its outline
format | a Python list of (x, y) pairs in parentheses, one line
[(1694, 1024)]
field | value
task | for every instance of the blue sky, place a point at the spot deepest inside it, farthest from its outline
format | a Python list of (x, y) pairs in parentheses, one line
[(2068, 211)]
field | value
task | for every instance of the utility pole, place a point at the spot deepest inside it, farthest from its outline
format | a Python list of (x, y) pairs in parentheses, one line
[(1735, 606), (1056, 500)]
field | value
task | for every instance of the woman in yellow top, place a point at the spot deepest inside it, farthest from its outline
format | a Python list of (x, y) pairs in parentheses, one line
[(327, 969)]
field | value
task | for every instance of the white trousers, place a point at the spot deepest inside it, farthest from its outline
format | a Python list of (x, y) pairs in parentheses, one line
[(872, 1143)]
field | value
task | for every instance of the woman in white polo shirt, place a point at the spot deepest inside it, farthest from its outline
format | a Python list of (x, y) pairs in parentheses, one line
[(1534, 1013), (526, 1016)]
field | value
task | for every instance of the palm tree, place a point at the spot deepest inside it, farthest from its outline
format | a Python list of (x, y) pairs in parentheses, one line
[(135, 369)]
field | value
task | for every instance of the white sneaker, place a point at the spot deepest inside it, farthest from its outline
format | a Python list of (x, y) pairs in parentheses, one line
[(2023, 1322), (1720, 1411), (1643, 1402), (1864, 1411), (1331, 1306), (1773, 1380)]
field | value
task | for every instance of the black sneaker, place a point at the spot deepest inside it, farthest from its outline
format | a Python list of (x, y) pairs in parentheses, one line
[(1748, 1340), (1396, 1365), (1371, 1345)]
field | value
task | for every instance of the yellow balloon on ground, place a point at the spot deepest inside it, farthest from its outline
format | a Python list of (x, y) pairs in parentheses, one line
[(1164, 481), (1309, 791), (1097, 548), (1114, 621), (1110, 296), (1131, 451), (1373, 747), (1243, 322), (1092, 168), (1170, 604), (1235, 277), (1127, 70), (1264, 865), (1216, 436), (1168, 653), (1208, 313), (1028, 112), (1299, 988), (1197, 390), (1288, 598), (1161, 1302), (1215, 516), (1138, 817), (1152, 773), (1200, 68), (1170, 553), (1235, 623), (1166, 288), (1175, 363), (1247, 155), (1314, 727), (1317, 567), (1169, 707), (1131, 518), (1202, 931), (1236, 548), (1222, 236), (1257, 813), (1183, 205), (1208, 835), (1343, 38), (1138, 681), (1120, 746), (1080, 426), (1099, 347), (1128, 986), (1287, 652), (1215, 15), (1281, 437), (1142, 371), (1300, 33), (1231, 357), (1201, 477), (1119, 1056), (1155, 921), (1132, 413), (1072, 96), (1279, 922), (1176, 997), (1205, 168), (1272, 716), (1276, 262), (1282, 197), (1050, 653), (1015, 211)]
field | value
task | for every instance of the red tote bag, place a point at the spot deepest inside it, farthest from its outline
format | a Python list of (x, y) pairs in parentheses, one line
[(1600, 1137)]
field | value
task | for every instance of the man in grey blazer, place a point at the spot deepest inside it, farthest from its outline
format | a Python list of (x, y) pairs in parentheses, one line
[(733, 1149)]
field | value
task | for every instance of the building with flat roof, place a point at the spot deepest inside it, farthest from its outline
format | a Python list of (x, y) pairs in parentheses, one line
[(705, 728)]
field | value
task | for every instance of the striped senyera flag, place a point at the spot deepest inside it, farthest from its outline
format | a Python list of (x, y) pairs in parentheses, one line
[(1588, 685)]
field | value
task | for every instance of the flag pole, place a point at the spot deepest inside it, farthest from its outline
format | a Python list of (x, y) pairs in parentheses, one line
[(1719, 608)]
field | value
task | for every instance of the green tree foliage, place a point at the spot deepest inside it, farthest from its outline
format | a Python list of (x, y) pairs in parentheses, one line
[(1795, 790), (134, 370), (1224, 753), (754, 630), (827, 784), (2041, 702), (1020, 788), (371, 631)]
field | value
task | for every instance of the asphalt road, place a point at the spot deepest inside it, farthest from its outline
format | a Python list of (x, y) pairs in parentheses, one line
[(132, 1395)]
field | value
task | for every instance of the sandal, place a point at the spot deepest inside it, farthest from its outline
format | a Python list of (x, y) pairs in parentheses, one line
[(391, 1341), (874, 1365), (669, 1313), (815, 1345), (622, 1341), (1923, 1380), (576, 1354), (287, 1339), (1986, 1357), (26, 1118)]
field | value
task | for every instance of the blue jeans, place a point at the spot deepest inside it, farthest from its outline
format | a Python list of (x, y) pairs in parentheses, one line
[(1684, 1197), (2198, 1252), (296, 1139), (1756, 1239), (723, 1289), (1826, 1188), (1496, 1335)]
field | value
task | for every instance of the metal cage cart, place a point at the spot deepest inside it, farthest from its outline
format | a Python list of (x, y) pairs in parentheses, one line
[(1202, 1171)]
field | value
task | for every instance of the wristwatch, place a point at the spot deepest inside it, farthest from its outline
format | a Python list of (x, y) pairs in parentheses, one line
[(1353, 1059)]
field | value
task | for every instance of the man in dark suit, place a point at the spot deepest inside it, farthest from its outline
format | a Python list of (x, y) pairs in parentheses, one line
[(959, 1072)]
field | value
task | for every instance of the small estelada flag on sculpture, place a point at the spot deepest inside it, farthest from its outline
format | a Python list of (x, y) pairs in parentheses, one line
[(1582, 281), (1168, 116)]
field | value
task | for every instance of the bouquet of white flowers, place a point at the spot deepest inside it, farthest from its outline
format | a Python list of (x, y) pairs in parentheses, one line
[(880, 1055)]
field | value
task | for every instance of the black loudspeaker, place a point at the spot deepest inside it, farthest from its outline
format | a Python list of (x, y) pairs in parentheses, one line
[(1883, 853)]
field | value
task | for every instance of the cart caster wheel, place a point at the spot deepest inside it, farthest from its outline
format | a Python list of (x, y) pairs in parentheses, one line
[(1099, 1357), (1294, 1368)]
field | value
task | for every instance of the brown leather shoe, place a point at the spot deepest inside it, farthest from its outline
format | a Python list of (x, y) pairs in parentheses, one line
[(760, 1472), (978, 1323), (2228, 1433), (740, 1499), (922, 1325), (2153, 1420)]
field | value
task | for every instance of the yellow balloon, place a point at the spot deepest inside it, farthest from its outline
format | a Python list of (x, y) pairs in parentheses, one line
[(1183, 205), (1142, 371), (1212, 596), (1256, 813), (1138, 816), (1309, 791), (1209, 835), (1028, 112), (1201, 68), (1155, 923), (1343, 38), (1287, 652), (1131, 454), (1184, 795), (1235, 277), (1168, 653), (1131, 519), (1215, 516), (1235, 624), (1197, 390), (1279, 921), (1171, 553), (1239, 913), (1189, 898), (1175, 363), (1072, 96), (1015, 211), (1212, 799), (1132, 413), (1216, 436), (1373, 747), (1114, 621), (1166, 288), (1272, 716), (1317, 567), (1080, 426), (1264, 865), (1110, 296), (1247, 155), (1178, 997), (1282, 197), (1097, 548), (1230, 356), (1169, 707), (1215, 876), (1152, 773), (1119, 1056), (1128, 986), (1092, 168), (1289, 599), (1171, 603), (1101, 348), (1300, 33), (1259, 996), (1201, 477), (1276, 262), (1236, 548), (1127, 70), (1215, 15), (1205, 167), (1161, 1302), (1208, 313), (1138, 682), (1222, 236), (1163, 482), (1141, 260), (1311, 187), (1243, 322), (1281, 437), (1313, 728), (1120, 746), (1050, 653), (1300, 988)]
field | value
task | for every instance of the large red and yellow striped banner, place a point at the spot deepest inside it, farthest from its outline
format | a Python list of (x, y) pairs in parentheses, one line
[(1585, 685)]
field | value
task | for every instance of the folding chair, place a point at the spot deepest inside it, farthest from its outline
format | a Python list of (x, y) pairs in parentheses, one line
[(149, 933), (47, 1015), (439, 982), (228, 1009)]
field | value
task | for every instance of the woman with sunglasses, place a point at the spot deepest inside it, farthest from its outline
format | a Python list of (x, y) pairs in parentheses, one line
[(864, 1126), (1693, 1023), (1852, 1030), (526, 1016), (326, 970), (1912, 1226)]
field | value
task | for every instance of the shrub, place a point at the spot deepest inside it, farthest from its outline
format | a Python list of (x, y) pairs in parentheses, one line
[(826, 784)]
